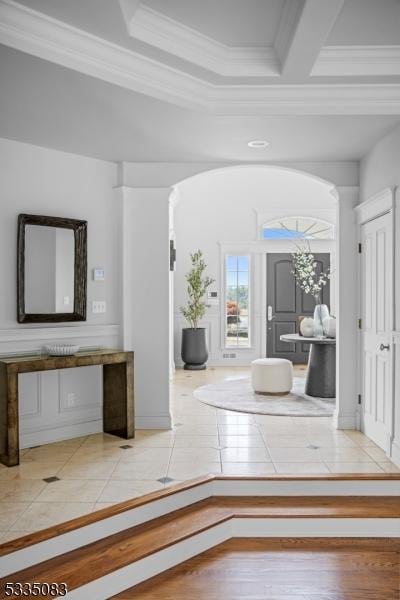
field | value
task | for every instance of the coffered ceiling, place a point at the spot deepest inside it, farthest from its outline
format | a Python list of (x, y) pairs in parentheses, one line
[(197, 79), (197, 55)]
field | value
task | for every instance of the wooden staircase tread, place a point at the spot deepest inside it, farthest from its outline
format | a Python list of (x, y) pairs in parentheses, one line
[(111, 553), (121, 507), (310, 506), (284, 568)]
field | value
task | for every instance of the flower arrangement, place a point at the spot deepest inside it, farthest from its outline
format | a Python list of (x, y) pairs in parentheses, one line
[(305, 272)]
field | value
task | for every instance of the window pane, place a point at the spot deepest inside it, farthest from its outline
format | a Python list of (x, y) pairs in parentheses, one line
[(231, 263), (231, 307), (298, 228), (231, 278), (243, 278), (243, 263), (270, 233), (237, 301)]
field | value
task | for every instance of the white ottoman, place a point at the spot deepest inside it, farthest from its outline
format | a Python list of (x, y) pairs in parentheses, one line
[(272, 376)]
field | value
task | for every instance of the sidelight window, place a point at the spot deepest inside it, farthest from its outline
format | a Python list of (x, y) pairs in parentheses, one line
[(237, 304)]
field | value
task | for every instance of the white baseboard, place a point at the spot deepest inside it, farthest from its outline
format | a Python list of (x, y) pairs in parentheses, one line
[(66, 432), (343, 421), (153, 422)]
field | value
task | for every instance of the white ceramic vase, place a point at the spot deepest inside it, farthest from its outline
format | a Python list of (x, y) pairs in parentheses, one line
[(329, 324), (321, 312), (307, 327)]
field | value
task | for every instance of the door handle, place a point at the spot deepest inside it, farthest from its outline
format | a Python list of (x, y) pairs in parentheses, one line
[(383, 347), (269, 313)]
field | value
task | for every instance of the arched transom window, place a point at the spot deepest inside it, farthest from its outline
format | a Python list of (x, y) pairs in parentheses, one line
[(306, 228)]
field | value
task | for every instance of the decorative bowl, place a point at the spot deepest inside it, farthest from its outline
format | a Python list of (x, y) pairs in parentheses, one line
[(62, 349)]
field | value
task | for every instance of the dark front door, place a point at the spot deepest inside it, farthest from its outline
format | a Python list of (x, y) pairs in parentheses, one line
[(286, 302)]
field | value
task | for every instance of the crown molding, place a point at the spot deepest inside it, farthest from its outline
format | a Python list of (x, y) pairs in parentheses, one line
[(169, 35), (357, 60), (39, 35)]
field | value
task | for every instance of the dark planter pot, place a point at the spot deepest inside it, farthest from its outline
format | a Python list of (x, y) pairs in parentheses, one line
[(194, 349)]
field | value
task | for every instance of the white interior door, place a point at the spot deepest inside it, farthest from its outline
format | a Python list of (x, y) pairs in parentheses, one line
[(377, 310)]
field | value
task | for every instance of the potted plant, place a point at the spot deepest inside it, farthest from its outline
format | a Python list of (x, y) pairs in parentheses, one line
[(311, 282), (194, 346)]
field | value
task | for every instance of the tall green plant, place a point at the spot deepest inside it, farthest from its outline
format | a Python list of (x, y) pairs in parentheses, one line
[(197, 287)]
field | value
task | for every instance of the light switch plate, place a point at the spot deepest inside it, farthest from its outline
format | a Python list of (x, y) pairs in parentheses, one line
[(99, 306), (212, 298)]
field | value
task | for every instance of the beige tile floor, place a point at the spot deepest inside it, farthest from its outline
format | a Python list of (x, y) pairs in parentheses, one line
[(95, 472)]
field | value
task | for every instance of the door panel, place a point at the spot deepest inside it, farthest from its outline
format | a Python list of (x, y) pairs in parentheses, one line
[(285, 287), (288, 302), (282, 327), (377, 307)]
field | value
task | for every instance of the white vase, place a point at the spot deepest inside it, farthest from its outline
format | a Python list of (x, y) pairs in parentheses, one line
[(307, 327), (329, 324), (321, 312)]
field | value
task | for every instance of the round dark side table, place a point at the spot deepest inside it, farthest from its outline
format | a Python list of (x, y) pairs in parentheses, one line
[(321, 373)]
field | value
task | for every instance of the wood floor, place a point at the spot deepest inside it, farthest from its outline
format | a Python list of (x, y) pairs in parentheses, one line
[(260, 569), (87, 563)]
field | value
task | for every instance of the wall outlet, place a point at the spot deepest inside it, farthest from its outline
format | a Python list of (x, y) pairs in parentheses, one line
[(70, 400), (99, 274), (66, 300), (98, 306)]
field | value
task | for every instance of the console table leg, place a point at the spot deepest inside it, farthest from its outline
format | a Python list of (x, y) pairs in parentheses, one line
[(9, 422), (118, 403)]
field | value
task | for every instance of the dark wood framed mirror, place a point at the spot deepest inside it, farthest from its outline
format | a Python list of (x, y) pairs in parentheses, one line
[(51, 269)]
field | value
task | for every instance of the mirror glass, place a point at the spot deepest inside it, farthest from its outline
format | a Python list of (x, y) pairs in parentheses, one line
[(49, 269)]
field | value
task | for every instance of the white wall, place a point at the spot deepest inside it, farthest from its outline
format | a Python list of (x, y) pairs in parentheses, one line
[(146, 314), (41, 181), (222, 212), (380, 169)]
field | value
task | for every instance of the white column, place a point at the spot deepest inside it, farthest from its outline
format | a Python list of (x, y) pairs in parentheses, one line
[(145, 303), (346, 414)]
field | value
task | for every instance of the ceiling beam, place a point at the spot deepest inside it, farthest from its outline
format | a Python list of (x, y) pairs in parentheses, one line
[(128, 8), (308, 34)]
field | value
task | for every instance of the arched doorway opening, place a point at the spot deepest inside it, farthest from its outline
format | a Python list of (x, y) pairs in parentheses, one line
[(223, 212)]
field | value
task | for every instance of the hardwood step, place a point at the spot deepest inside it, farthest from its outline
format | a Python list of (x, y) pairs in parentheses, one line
[(281, 569), (123, 507), (95, 560)]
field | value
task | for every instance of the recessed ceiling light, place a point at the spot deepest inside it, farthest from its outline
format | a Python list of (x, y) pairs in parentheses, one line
[(258, 144)]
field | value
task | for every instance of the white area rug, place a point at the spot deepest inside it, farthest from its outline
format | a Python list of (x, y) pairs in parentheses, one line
[(237, 394)]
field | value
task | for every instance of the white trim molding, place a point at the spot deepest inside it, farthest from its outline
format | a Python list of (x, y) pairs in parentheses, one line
[(395, 441), (377, 205), (37, 334), (169, 35), (342, 61), (38, 34)]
